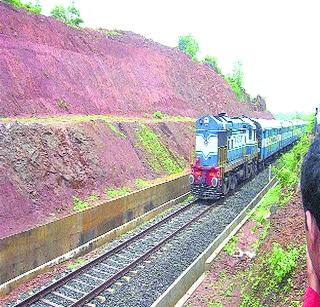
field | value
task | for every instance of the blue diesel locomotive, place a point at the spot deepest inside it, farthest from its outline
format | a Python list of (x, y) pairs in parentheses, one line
[(232, 149)]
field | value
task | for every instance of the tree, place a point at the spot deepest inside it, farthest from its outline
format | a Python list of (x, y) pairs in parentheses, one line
[(235, 81), (73, 15), (33, 8), (59, 12), (70, 16), (188, 45), (213, 63)]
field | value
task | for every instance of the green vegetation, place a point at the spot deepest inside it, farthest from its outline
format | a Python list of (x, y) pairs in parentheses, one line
[(189, 46), (231, 246), (69, 15), (93, 197), (112, 33), (235, 80), (281, 262), (32, 8), (289, 165), (158, 114), (141, 184), (114, 193), (91, 118), (213, 63), (79, 205), (116, 130), (271, 198), (78, 263), (158, 156), (272, 277)]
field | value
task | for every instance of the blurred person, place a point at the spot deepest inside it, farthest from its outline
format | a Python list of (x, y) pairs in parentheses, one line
[(310, 190)]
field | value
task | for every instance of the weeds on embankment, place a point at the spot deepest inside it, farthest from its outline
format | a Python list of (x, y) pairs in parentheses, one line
[(271, 276)]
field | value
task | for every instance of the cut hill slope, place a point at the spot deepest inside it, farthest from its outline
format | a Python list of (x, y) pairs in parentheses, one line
[(48, 68)]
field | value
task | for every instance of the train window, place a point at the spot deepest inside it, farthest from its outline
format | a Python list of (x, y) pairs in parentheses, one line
[(254, 136), (228, 144), (250, 134), (231, 144)]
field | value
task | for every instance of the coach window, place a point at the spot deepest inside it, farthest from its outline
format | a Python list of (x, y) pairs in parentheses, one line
[(250, 134), (231, 144), (228, 144)]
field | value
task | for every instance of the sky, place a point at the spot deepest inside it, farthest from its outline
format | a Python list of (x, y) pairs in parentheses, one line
[(277, 41)]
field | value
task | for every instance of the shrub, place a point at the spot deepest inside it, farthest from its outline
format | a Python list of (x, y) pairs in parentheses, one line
[(33, 8), (282, 262), (117, 192), (189, 46), (231, 246), (213, 63), (70, 16), (235, 80), (79, 205), (289, 164), (141, 184), (158, 114)]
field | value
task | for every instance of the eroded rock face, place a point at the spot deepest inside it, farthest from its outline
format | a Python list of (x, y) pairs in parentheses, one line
[(49, 68), (42, 167)]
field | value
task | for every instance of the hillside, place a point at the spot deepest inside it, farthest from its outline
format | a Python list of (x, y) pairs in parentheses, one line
[(48, 68), (76, 108)]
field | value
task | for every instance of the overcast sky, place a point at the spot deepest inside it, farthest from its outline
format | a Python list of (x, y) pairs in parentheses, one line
[(276, 40)]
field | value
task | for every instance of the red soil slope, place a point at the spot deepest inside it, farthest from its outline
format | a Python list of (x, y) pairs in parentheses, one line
[(49, 68), (43, 166)]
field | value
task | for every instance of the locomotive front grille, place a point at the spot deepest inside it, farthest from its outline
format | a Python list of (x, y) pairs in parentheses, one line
[(204, 191)]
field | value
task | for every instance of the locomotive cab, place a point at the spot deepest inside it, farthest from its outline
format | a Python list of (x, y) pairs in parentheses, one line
[(211, 137), (225, 149)]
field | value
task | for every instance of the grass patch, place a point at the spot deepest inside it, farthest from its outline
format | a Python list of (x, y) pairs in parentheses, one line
[(271, 198), (158, 114), (158, 156), (93, 197), (92, 118), (79, 205), (271, 278), (114, 193), (288, 168), (141, 184), (78, 263), (116, 130), (112, 33), (230, 247)]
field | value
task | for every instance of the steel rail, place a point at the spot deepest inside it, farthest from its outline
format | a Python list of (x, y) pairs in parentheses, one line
[(60, 282), (95, 292)]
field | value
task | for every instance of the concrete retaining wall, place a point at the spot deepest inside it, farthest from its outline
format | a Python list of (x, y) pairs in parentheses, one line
[(27, 250)]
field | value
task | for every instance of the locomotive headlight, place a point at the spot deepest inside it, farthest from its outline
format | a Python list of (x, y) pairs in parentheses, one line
[(214, 182), (206, 120), (191, 179)]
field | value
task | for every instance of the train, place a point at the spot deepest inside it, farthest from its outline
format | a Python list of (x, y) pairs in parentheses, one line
[(229, 150)]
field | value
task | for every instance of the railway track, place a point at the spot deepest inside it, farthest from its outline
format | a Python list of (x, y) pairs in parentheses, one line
[(86, 283)]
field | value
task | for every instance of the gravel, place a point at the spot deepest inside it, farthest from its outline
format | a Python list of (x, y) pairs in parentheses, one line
[(143, 286), (158, 274)]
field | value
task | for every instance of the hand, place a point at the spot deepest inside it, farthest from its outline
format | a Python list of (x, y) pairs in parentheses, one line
[(313, 280)]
